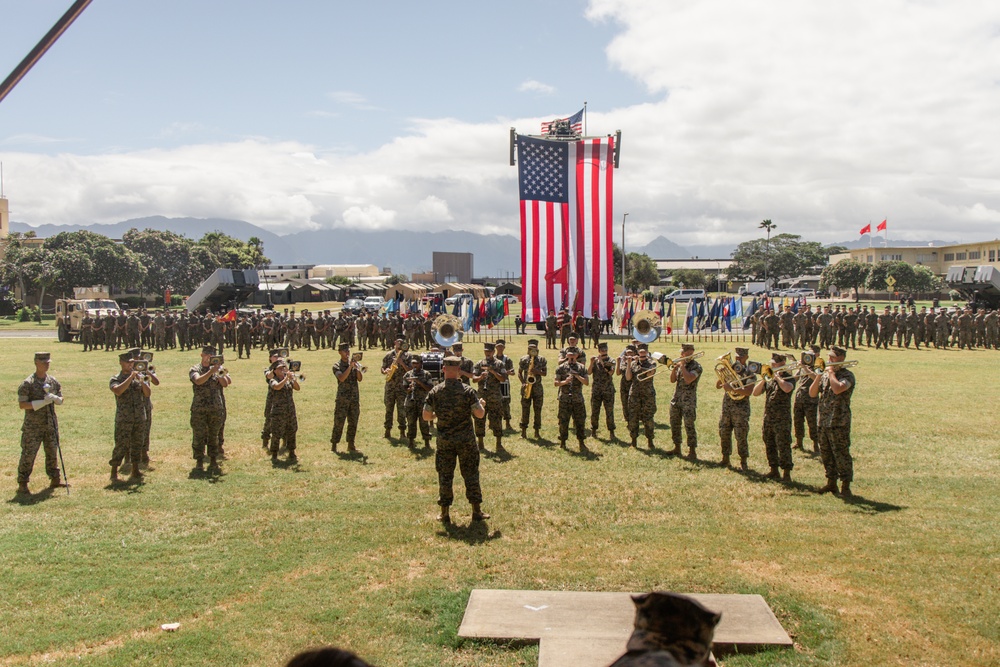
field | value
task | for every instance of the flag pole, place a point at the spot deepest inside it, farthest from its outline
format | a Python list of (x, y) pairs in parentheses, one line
[(585, 118), (869, 233)]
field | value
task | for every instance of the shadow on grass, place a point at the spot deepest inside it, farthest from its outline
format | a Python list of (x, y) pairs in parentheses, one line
[(423, 453), (294, 465), (32, 498), (353, 457), (477, 532), (502, 456), (127, 485), (586, 453), (213, 475), (862, 504)]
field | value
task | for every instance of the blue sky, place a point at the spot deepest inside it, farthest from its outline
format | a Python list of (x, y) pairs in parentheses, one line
[(384, 115)]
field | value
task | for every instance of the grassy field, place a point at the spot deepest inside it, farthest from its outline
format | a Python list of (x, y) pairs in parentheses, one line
[(266, 560)]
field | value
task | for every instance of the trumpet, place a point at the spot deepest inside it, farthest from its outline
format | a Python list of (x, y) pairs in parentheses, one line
[(294, 367), (356, 358)]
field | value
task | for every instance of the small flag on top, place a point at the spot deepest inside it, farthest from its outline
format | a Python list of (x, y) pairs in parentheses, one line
[(882, 226), (867, 229), (575, 122)]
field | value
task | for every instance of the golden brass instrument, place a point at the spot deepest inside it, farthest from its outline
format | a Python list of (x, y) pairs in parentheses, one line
[(670, 363), (730, 378), (822, 365), (650, 373), (531, 379), (393, 368), (644, 325), (356, 357), (791, 368)]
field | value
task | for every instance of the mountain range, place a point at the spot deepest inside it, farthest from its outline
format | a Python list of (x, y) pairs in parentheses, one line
[(400, 251)]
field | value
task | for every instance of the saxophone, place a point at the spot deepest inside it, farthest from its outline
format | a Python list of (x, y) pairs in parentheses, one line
[(526, 389), (393, 368)]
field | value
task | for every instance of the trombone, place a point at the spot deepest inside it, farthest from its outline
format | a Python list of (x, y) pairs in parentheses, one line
[(821, 365), (670, 363), (650, 373)]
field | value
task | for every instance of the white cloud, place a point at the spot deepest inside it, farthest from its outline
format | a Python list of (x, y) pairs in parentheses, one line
[(433, 209), (351, 99), (369, 218), (532, 86)]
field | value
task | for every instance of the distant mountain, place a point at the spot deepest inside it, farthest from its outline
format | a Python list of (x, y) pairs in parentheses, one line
[(404, 251), (662, 248)]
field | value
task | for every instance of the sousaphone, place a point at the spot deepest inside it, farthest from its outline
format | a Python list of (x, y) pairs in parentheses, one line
[(448, 330), (644, 325)]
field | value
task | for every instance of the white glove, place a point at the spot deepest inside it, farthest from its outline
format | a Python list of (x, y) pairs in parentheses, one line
[(52, 398), (38, 405)]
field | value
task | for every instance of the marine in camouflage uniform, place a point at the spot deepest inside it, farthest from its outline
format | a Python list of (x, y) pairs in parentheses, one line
[(394, 395), (570, 377), (489, 373), (284, 419), (160, 331), (87, 332), (207, 408), (243, 337), (834, 388), (453, 404), (265, 431), (804, 409), (538, 366), (684, 405), (625, 381), (38, 395), (735, 416), (347, 408), (508, 364), (418, 383), (130, 390), (642, 396), (777, 431), (602, 390), (550, 331)]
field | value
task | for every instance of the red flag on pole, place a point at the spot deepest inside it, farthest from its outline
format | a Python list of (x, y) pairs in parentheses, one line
[(881, 226), (867, 229), (228, 317)]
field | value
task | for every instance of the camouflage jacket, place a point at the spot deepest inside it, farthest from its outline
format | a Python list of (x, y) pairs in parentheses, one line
[(452, 402)]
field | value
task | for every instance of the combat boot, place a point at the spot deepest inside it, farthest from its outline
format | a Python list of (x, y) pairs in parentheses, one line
[(114, 473), (212, 463), (815, 447), (583, 445), (478, 514), (410, 443), (635, 442), (351, 447), (445, 515), (199, 465), (845, 489), (798, 444), (500, 447), (725, 461), (593, 432), (744, 466), (482, 446), (333, 447), (402, 433), (831, 486), (649, 441), (611, 434), (136, 475), (786, 475), (264, 443), (388, 434), (538, 434), (524, 433), (676, 451), (427, 443), (562, 443), (54, 482), (692, 455), (774, 474), (22, 489)]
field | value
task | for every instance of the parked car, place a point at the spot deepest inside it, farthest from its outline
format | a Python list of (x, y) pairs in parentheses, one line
[(686, 294), (458, 298), (509, 298), (353, 306), (374, 303)]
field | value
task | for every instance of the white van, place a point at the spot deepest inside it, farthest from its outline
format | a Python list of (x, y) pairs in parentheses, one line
[(685, 295)]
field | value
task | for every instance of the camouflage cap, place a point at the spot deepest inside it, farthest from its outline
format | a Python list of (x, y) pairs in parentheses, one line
[(125, 356), (532, 342), (452, 361), (687, 346), (489, 347), (742, 352), (344, 347), (839, 351), (501, 341), (575, 351), (43, 356), (777, 356)]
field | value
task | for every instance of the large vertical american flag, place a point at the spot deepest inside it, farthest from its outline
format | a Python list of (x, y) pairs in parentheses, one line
[(575, 123), (566, 211)]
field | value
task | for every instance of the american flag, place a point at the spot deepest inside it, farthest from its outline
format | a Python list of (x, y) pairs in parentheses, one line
[(575, 122), (566, 212)]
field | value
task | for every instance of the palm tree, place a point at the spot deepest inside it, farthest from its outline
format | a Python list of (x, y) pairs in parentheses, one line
[(766, 225)]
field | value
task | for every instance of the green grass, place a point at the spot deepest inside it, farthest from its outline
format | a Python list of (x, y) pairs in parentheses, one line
[(262, 562)]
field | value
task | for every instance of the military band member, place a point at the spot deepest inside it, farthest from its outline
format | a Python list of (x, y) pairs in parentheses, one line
[(466, 366), (532, 367), (777, 431), (570, 378), (129, 388), (625, 382), (508, 363), (602, 391), (642, 395), (834, 388), (284, 420), (684, 405), (453, 404), (347, 408), (418, 383), (735, 416), (151, 378), (207, 407), (265, 432), (490, 373), (38, 395), (804, 408), (394, 366)]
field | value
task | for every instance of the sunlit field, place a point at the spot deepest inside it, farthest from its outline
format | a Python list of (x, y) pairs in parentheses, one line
[(265, 560)]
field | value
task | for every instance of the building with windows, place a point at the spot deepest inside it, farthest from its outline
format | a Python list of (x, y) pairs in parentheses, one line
[(936, 258)]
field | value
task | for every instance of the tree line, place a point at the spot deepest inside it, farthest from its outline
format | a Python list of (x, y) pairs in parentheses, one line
[(146, 261)]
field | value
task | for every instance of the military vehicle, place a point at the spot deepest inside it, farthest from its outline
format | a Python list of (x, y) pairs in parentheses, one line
[(979, 284), (70, 313)]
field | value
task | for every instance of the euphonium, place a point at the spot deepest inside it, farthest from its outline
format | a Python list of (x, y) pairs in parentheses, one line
[(731, 380)]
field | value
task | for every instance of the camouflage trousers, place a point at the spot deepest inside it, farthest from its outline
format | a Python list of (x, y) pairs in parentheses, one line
[(265, 432), (804, 413), (735, 420), (577, 411), (536, 401), (777, 436), (463, 450), (641, 409), (394, 399), (243, 345), (625, 413), (129, 439), (835, 452), (605, 399), (494, 414), (206, 426), (31, 440), (345, 411), (686, 414), (414, 412), (284, 426)]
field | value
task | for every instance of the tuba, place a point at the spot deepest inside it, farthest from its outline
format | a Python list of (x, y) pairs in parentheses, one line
[(447, 330), (644, 324)]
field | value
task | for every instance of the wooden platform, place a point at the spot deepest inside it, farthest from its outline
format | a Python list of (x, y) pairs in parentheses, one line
[(577, 629)]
